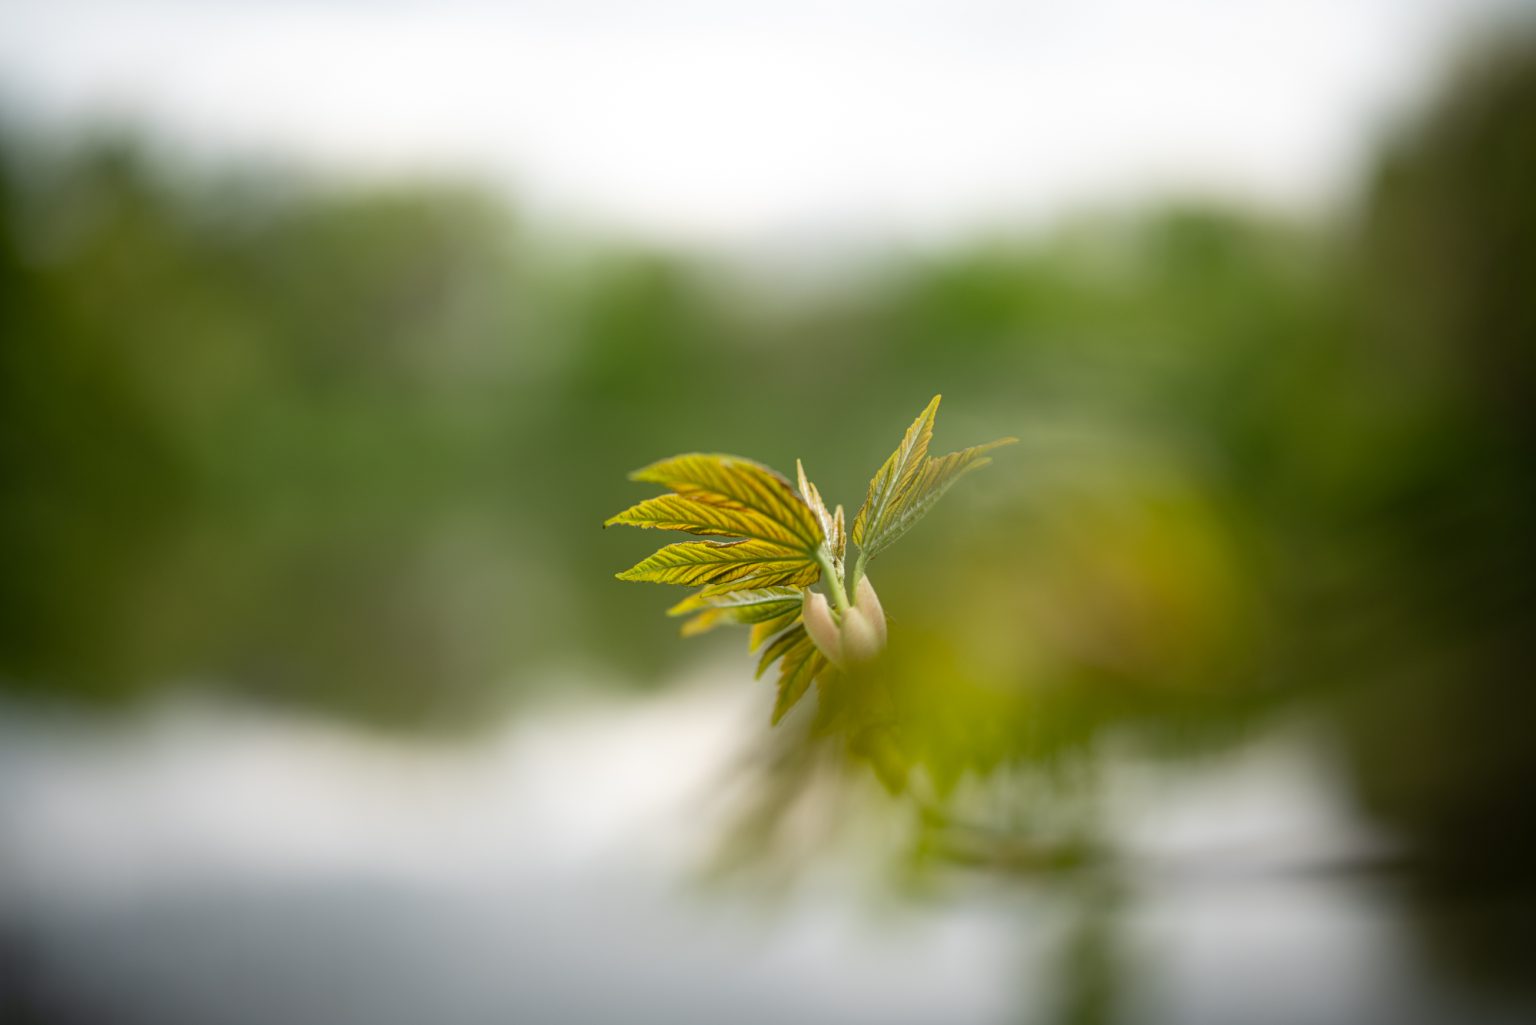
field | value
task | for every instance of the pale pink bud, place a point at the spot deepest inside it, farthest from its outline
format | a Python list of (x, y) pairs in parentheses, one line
[(862, 638), (864, 597), (859, 637), (822, 628)]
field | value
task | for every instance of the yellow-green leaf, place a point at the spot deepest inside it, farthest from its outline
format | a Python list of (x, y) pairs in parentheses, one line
[(910, 483), (803, 575), (939, 474), (895, 476), (735, 564), (802, 662), (831, 525), (779, 645), (752, 605), (768, 628), (679, 512), (741, 485), (702, 623), (812, 498)]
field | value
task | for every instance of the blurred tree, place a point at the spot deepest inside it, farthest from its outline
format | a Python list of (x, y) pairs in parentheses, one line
[(1441, 573)]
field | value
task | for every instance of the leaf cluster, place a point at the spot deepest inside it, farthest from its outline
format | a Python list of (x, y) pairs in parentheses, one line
[(780, 539)]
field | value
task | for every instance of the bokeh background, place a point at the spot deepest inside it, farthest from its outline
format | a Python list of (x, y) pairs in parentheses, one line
[(329, 331)]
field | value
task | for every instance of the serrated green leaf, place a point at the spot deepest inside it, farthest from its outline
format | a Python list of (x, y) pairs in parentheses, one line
[(772, 607), (812, 498), (692, 603), (779, 645), (803, 575), (802, 662), (741, 485), (768, 628), (781, 537), (749, 602), (910, 483), (938, 476), (895, 476), (723, 565), (702, 623), (680, 512), (831, 525)]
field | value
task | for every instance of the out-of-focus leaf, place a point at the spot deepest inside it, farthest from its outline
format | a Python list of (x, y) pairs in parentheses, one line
[(749, 607), (779, 645), (702, 623), (768, 628), (802, 662), (746, 600)]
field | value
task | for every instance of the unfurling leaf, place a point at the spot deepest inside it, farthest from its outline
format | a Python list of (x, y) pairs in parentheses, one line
[(895, 476), (910, 483)]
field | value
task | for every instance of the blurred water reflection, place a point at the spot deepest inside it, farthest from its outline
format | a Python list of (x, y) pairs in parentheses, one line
[(211, 864)]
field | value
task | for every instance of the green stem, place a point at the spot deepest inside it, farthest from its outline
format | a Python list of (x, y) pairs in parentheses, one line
[(834, 585), (855, 571)]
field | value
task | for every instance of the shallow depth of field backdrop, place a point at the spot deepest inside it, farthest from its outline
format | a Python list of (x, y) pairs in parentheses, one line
[(328, 333)]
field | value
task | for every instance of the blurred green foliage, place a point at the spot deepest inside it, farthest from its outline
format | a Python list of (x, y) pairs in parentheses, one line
[(334, 447), (352, 449)]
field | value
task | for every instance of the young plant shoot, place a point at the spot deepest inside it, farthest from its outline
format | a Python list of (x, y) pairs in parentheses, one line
[(780, 542)]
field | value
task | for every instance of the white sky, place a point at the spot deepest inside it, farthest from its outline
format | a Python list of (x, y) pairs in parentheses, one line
[(732, 121)]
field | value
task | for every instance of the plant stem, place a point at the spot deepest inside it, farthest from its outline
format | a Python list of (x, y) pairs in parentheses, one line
[(855, 571), (834, 584)]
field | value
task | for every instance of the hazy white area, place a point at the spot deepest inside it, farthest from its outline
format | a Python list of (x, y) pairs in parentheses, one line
[(719, 122), (218, 865)]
